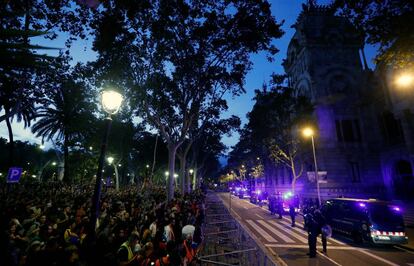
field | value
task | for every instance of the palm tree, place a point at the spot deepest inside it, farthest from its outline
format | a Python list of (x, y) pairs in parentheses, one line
[(65, 117)]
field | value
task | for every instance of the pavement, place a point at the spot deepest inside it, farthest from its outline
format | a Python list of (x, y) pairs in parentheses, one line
[(290, 244)]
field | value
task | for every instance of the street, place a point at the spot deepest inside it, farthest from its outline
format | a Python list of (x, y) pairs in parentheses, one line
[(290, 244)]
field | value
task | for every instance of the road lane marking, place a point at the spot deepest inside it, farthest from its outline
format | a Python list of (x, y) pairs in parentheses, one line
[(326, 257), (303, 230), (261, 217), (377, 257), (305, 234), (276, 232), (406, 250), (307, 246), (261, 231), (290, 232)]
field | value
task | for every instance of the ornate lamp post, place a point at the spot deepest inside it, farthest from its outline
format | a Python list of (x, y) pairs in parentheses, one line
[(111, 102)]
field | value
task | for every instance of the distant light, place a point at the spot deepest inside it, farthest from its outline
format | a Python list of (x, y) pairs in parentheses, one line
[(128, 174), (258, 158), (175, 175), (110, 159), (1, 174), (41, 146), (395, 208), (307, 132), (405, 80), (191, 171), (90, 148), (258, 192), (361, 204), (166, 173), (147, 166), (215, 185), (119, 165), (34, 176), (242, 166), (287, 195)]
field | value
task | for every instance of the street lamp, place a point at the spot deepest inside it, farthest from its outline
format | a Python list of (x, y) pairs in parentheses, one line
[(111, 102), (404, 80), (308, 132), (110, 160), (191, 171)]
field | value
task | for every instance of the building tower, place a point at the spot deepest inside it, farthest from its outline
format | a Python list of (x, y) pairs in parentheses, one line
[(325, 62)]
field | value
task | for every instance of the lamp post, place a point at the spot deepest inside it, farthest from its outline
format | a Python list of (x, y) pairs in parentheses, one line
[(308, 132), (111, 102), (110, 160), (193, 183)]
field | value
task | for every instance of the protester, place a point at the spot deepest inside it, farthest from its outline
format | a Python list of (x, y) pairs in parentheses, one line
[(48, 224)]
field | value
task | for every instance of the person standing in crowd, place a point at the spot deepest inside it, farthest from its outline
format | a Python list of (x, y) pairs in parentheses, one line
[(126, 251)]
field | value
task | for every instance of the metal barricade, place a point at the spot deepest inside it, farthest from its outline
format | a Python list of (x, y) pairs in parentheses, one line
[(225, 241)]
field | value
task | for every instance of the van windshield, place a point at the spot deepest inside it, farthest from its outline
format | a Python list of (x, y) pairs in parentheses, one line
[(385, 216)]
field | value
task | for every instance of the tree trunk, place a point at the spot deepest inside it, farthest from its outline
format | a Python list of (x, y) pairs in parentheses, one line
[(66, 177), (171, 165), (11, 141), (294, 175), (183, 177), (155, 156)]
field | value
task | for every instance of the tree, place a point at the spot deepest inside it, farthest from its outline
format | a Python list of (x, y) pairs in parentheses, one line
[(67, 113), (269, 136), (287, 156), (387, 24), (182, 56)]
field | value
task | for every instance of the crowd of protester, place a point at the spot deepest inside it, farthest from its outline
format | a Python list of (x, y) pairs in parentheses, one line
[(48, 224)]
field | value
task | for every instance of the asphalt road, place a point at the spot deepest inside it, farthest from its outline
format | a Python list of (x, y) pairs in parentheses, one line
[(290, 245)]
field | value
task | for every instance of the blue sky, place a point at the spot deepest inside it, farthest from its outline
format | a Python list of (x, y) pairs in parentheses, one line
[(286, 10)]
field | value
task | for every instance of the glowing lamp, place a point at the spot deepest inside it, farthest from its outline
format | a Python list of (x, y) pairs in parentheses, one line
[(307, 132), (362, 205), (404, 80), (111, 101), (110, 160)]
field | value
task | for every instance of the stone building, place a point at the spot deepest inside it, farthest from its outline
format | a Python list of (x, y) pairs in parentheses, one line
[(364, 139)]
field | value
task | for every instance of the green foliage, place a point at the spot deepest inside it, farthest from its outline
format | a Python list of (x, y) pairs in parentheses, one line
[(388, 24)]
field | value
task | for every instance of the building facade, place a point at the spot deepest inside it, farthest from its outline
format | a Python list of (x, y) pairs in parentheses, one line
[(365, 135)]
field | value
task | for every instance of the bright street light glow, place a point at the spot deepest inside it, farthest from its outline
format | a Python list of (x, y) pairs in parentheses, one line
[(90, 148), (110, 159), (111, 101), (191, 171), (54, 163), (119, 165), (34, 176), (405, 80), (147, 165), (175, 175), (166, 173), (308, 132), (41, 146)]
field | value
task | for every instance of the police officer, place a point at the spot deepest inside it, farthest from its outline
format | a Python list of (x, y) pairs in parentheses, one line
[(321, 221), (292, 213), (279, 206), (312, 228)]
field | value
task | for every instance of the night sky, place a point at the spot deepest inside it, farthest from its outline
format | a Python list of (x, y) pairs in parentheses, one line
[(286, 10)]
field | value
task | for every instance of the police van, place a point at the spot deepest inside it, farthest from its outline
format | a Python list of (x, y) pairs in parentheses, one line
[(376, 221)]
